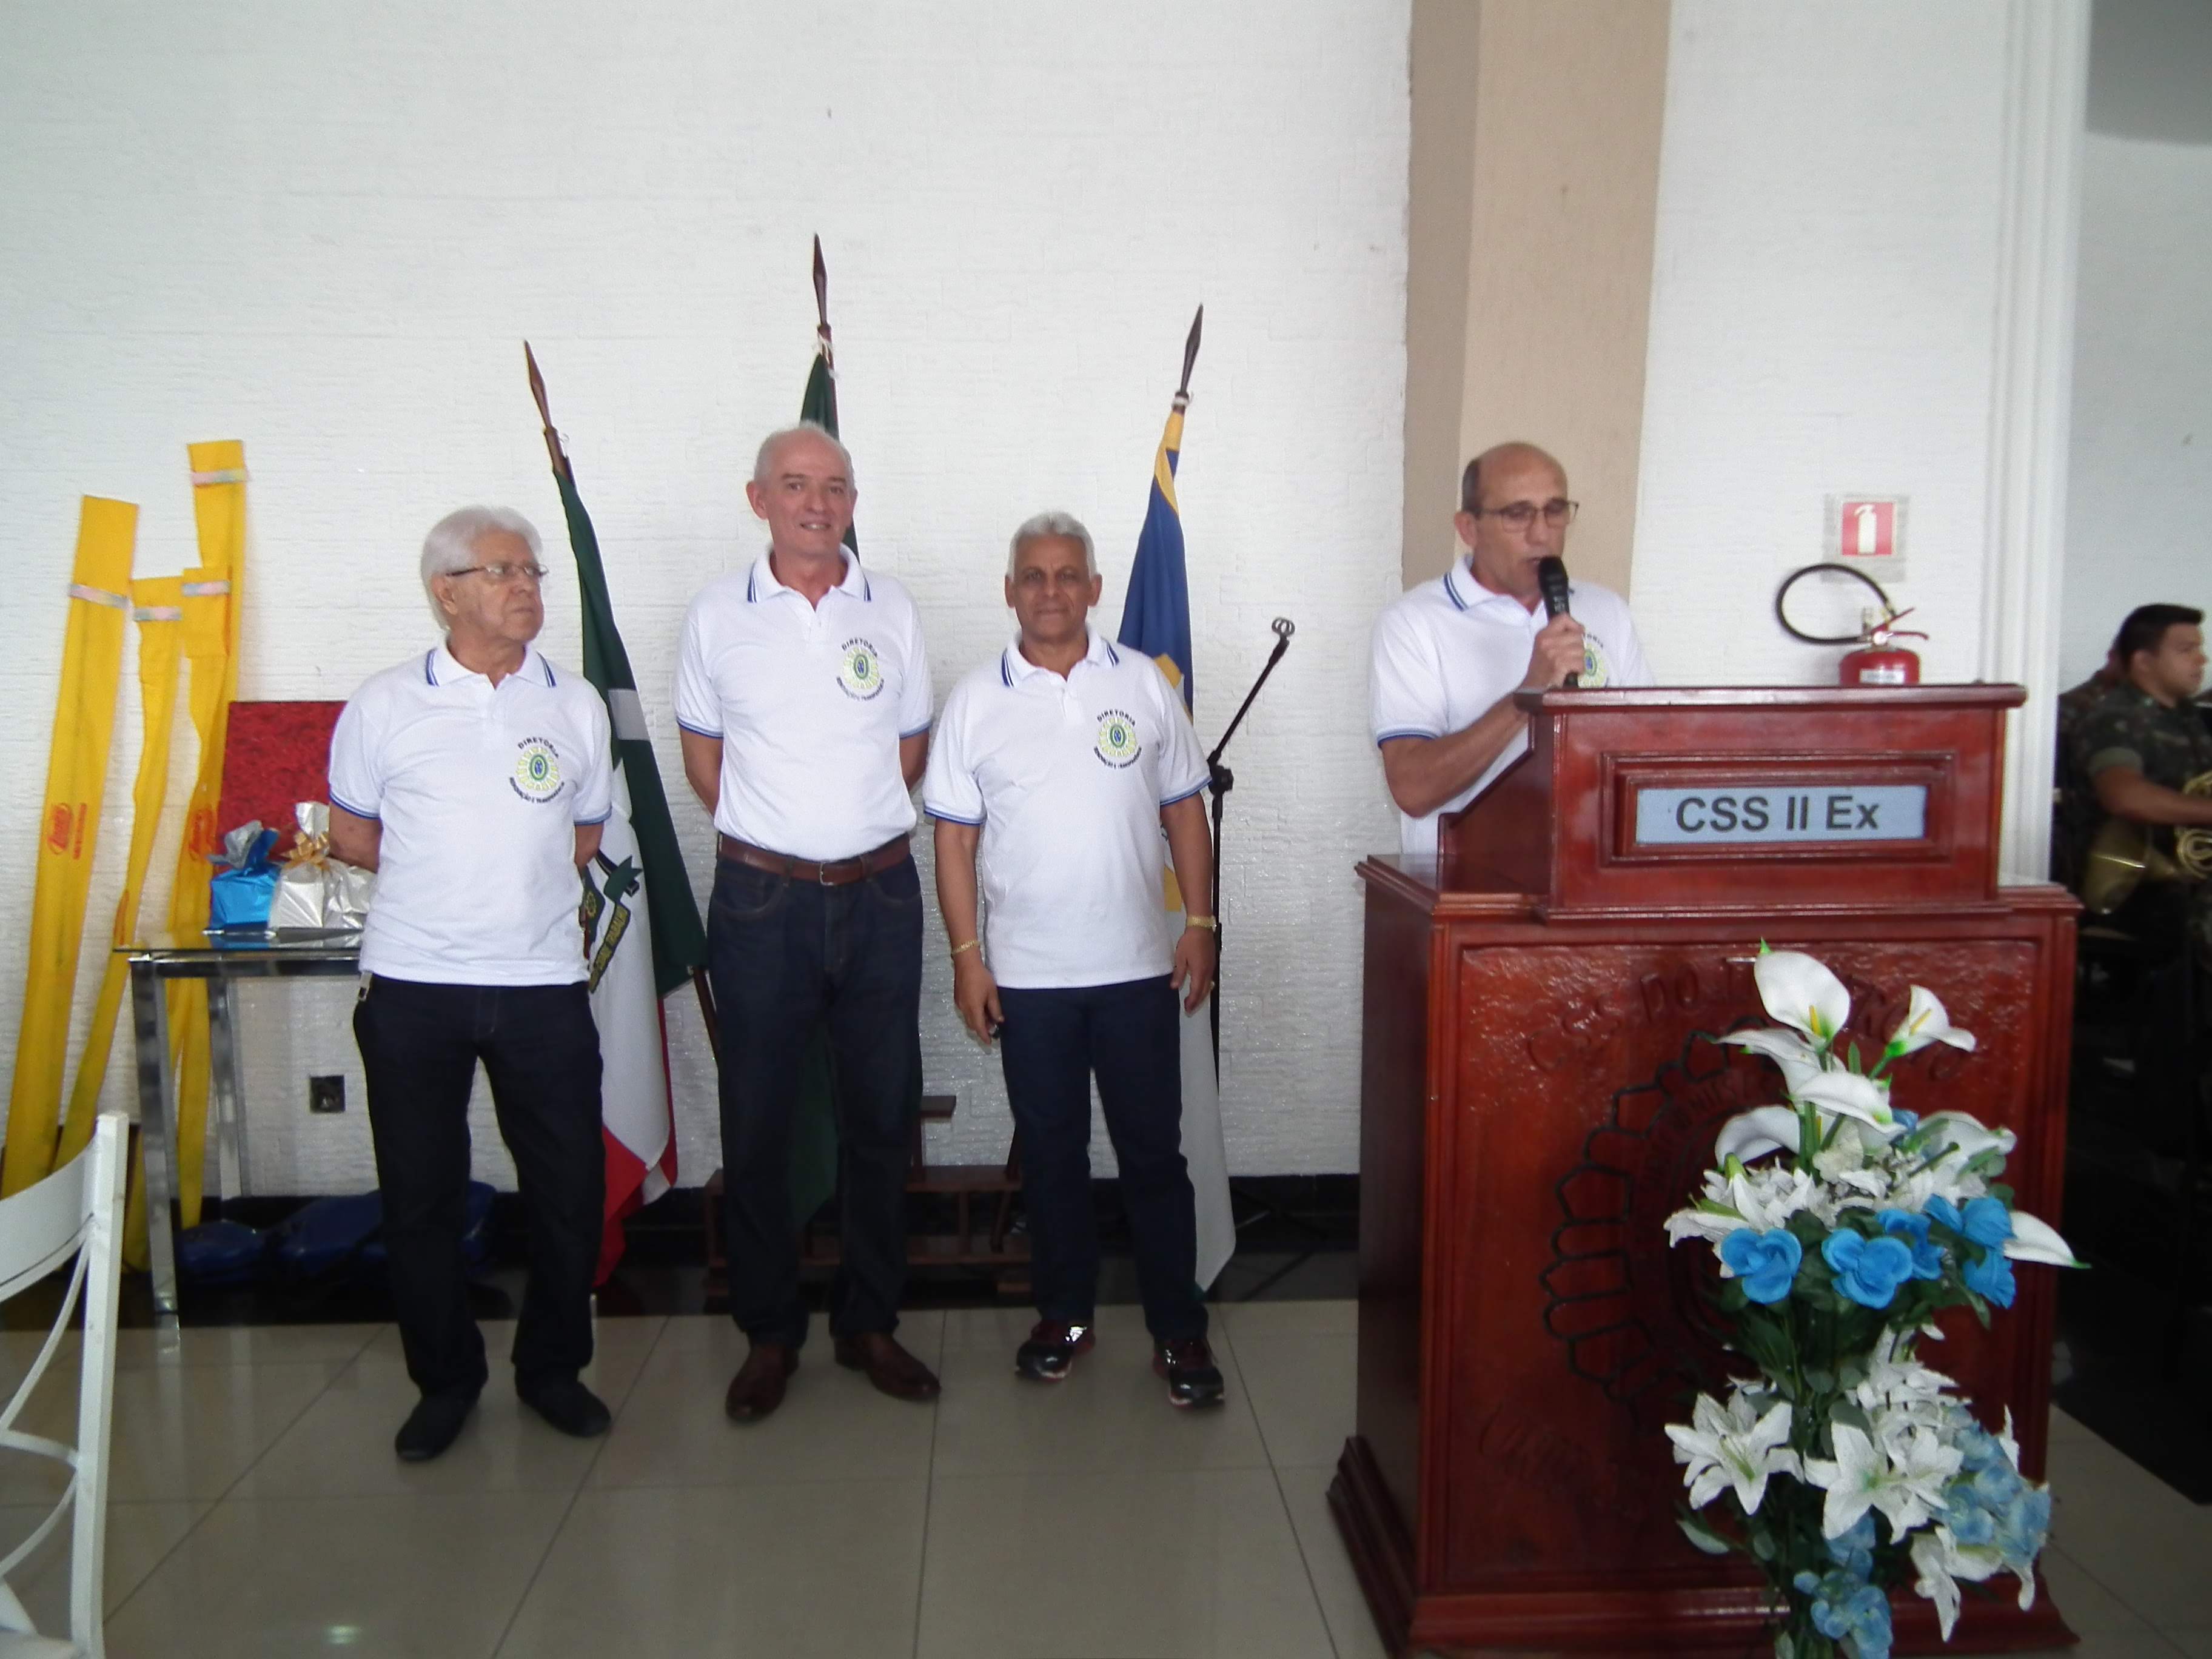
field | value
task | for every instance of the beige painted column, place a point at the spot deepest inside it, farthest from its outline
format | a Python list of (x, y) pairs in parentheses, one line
[(1535, 178)]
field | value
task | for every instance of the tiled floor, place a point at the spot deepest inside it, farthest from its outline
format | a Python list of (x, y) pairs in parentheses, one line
[(259, 1510)]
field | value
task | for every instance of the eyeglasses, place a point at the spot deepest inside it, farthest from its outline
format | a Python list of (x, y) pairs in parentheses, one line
[(503, 574), (1522, 514)]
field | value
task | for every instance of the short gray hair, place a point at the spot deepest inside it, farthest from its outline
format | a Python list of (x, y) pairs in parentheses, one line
[(451, 544), (1053, 526), (804, 429)]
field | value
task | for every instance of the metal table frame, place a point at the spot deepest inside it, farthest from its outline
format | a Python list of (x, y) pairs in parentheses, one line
[(222, 959)]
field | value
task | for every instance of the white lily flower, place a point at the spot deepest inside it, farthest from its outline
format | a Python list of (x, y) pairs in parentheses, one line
[(1902, 1477), (1966, 1134), (1729, 1446), (1845, 1094), (1802, 994), (1900, 1383), (2004, 1438), (1798, 1058), (1941, 1563), (1924, 1022), (1754, 1133), (2036, 1240), (1949, 1178)]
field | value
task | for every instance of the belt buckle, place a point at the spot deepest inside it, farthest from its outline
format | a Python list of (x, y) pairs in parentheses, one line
[(822, 872)]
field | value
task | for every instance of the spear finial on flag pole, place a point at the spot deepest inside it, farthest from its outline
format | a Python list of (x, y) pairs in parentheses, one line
[(822, 305), (537, 390), (1189, 354)]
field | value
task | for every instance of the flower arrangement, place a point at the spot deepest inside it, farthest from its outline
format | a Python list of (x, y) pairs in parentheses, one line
[(1848, 1466)]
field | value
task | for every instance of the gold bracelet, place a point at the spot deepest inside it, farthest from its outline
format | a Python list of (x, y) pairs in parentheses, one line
[(973, 944), (1211, 924)]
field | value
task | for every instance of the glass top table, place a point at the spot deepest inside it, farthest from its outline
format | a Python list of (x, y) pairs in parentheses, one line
[(222, 959)]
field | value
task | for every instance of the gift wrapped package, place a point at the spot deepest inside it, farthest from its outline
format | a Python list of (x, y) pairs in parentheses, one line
[(314, 890), (242, 892)]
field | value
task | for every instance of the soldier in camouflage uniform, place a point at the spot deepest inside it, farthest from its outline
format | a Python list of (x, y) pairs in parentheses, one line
[(2074, 810), (2140, 745)]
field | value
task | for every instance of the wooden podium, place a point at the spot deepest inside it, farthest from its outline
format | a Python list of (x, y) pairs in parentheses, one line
[(1541, 1088)]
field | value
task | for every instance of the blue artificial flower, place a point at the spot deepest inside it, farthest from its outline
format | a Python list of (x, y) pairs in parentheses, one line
[(1846, 1606), (1868, 1270), (1766, 1262), (1971, 1522), (1927, 1258), (1943, 1210), (2024, 1524), (1987, 1222), (1978, 1448), (1990, 1278), (1853, 1551), (1910, 1119), (1998, 1486)]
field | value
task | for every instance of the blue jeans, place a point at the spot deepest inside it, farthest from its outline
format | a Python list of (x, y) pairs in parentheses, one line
[(785, 956), (1131, 1035)]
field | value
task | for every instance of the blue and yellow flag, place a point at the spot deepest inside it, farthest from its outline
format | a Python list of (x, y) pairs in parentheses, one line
[(1155, 614)]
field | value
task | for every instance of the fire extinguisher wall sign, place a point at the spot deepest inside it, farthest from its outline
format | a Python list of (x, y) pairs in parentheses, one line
[(1868, 532)]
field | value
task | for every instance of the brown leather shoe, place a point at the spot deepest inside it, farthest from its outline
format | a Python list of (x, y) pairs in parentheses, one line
[(758, 1388), (890, 1367)]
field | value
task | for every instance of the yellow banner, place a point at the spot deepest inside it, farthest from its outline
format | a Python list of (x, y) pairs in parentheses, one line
[(212, 595), (68, 829), (158, 606)]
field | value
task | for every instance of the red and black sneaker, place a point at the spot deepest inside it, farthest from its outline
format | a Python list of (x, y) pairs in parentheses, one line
[(1192, 1378), (1052, 1348)]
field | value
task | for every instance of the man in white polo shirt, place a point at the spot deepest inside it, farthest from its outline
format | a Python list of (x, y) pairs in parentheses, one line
[(803, 695), (1451, 653), (473, 779), (1061, 763)]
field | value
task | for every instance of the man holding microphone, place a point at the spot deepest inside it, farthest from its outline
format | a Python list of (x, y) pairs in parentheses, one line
[(1451, 653), (1060, 764)]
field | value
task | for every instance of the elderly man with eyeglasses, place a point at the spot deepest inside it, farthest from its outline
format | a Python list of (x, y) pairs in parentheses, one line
[(1450, 655), (474, 777)]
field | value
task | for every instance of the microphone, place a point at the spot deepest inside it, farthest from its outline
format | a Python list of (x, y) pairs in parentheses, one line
[(1552, 581)]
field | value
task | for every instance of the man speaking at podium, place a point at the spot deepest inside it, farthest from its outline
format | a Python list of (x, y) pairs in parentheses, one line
[(1451, 652)]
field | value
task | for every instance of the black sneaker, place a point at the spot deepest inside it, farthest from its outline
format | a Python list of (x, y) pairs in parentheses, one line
[(1193, 1378), (432, 1425), (568, 1406), (1052, 1350)]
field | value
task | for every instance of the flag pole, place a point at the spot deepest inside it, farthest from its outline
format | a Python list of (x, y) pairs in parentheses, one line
[(559, 459)]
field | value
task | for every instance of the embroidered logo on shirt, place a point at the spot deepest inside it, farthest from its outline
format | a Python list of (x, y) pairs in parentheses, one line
[(1117, 744), (859, 669), (537, 770), (1597, 668)]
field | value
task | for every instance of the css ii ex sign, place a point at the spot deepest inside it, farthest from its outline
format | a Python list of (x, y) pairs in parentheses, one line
[(1767, 816)]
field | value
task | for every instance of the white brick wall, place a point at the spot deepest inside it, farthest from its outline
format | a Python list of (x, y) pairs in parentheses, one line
[(325, 230)]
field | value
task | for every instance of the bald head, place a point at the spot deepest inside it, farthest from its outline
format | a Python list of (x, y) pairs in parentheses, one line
[(1496, 458)]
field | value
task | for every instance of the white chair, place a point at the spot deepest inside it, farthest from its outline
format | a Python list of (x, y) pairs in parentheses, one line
[(77, 1211)]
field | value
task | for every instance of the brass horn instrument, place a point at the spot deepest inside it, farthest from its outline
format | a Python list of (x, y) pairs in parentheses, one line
[(2124, 854)]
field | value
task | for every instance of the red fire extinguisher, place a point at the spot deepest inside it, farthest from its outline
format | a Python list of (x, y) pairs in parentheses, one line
[(1878, 659)]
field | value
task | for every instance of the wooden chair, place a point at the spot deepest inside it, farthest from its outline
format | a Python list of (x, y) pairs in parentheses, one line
[(77, 1211)]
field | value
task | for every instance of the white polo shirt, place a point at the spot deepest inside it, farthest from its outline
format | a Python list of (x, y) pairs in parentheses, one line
[(809, 703), (1450, 648), (1067, 778), (479, 789)]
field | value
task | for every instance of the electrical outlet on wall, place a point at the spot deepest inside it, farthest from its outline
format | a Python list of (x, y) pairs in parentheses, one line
[(326, 1094)]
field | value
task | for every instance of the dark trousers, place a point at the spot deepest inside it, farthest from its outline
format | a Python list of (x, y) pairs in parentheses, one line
[(786, 956), (420, 1044), (1130, 1036)]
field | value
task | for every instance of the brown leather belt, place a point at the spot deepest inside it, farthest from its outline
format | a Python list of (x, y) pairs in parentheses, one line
[(836, 872)]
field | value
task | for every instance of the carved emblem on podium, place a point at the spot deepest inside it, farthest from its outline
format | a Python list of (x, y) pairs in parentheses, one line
[(1631, 1313)]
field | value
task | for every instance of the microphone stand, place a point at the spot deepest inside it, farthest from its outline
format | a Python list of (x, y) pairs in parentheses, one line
[(1222, 780)]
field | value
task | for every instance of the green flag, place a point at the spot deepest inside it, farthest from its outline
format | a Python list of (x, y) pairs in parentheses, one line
[(679, 940), (814, 1134)]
